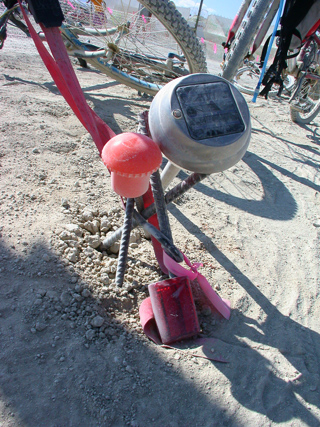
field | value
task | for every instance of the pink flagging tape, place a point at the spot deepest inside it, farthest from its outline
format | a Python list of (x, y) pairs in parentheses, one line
[(215, 48), (64, 76), (110, 10), (222, 305), (205, 348), (144, 19), (202, 40)]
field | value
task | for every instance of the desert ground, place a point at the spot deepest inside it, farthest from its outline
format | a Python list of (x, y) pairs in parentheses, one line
[(73, 352)]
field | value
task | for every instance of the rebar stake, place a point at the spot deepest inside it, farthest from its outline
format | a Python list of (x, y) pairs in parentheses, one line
[(124, 244)]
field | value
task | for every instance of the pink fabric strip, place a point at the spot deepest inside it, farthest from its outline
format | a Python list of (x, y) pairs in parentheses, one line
[(201, 347), (222, 305), (64, 76)]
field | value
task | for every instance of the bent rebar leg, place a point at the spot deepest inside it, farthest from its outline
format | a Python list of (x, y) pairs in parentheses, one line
[(172, 195), (124, 244)]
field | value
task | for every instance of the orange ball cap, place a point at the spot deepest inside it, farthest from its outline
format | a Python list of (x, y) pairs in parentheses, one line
[(131, 155)]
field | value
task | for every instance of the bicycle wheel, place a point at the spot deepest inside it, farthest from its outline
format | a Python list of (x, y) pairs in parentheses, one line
[(306, 103), (247, 78), (144, 49), (305, 100), (244, 38)]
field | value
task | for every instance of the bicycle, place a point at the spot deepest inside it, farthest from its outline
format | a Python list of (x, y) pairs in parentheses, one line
[(247, 77), (139, 49), (300, 80)]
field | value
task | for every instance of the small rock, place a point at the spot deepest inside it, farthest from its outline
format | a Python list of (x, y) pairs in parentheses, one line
[(40, 326), (105, 225), (93, 241), (73, 228), (115, 248), (105, 279), (88, 226), (86, 293), (90, 334), (77, 297), (72, 254), (87, 215), (97, 321), (65, 203), (317, 223), (129, 369), (95, 225), (65, 298), (46, 257), (78, 288), (64, 235), (89, 252), (36, 151)]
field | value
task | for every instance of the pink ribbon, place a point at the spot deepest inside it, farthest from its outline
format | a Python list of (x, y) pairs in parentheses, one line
[(70, 4), (222, 305), (66, 80)]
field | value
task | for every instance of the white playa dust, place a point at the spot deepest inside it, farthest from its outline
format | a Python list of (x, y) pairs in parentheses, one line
[(72, 349)]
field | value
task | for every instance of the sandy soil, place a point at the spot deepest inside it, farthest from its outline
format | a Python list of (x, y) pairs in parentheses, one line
[(72, 349)]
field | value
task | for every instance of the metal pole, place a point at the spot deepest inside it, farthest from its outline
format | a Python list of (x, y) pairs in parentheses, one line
[(197, 21)]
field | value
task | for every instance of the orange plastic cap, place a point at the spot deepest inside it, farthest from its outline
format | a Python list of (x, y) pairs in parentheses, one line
[(131, 158), (131, 154)]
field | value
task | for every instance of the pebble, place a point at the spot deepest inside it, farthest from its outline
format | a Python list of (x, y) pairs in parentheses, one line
[(87, 215), (90, 334), (65, 203), (65, 298), (115, 248), (40, 326), (72, 254), (105, 225), (105, 279), (93, 241), (86, 293), (317, 223), (36, 151), (97, 321), (75, 229), (78, 288)]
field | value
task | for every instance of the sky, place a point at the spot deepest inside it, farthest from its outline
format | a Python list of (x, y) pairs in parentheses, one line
[(226, 8)]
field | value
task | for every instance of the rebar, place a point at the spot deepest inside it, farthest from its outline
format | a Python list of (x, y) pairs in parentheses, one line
[(124, 244), (172, 195)]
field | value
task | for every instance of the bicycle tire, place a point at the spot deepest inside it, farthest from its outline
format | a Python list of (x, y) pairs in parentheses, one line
[(311, 94), (243, 39), (166, 14), (305, 100), (244, 86)]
